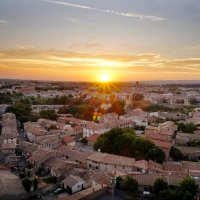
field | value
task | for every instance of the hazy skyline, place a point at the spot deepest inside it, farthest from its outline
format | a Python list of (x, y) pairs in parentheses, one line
[(76, 40)]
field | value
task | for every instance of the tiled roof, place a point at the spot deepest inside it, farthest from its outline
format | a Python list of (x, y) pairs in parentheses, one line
[(101, 177), (162, 144), (72, 180), (157, 136), (117, 160), (68, 139), (10, 183), (41, 154), (74, 153), (188, 150), (28, 147), (93, 138)]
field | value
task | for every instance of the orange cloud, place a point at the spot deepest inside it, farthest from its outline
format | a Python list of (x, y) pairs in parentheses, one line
[(66, 65)]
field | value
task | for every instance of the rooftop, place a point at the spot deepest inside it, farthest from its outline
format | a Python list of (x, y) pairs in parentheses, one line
[(10, 183)]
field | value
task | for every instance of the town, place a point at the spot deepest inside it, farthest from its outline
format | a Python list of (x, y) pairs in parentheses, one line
[(79, 140)]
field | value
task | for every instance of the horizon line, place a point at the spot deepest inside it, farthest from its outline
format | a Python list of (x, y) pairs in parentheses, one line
[(79, 81)]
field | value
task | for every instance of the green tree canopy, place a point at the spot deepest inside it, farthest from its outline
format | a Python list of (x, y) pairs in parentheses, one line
[(159, 185), (170, 194), (27, 183), (50, 179), (167, 195), (84, 140), (187, 128), (22, 110), (118, 182), (176, 154), (124, 142), (48, 114), (190, 185), (129, 184), (35, 184)]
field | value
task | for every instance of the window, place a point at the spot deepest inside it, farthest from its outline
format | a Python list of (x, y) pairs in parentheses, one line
[(97, 167), (90, 165)]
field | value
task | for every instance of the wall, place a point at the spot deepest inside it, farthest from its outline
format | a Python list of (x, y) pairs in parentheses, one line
[(77, 187)]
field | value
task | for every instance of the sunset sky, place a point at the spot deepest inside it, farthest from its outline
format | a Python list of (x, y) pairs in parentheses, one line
[(78, 40)]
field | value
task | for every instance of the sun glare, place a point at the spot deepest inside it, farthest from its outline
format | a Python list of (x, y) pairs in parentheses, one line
[(105, 78)]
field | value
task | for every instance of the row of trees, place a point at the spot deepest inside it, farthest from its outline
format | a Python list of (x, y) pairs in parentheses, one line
[(128, 184), (194, 143), (85, 109), (125, 143), (80, 108), (63, 100), (23, 111), (28, 183), (187, 128), (5, 98), (187, 190)]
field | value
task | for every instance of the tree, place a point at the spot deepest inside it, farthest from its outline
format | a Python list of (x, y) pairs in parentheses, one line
[(22, 175), (193, 101), (129, 184), (18, 151), (194, 143), (170, 194), (156, 108), (138, 97), (52, 127), (50, 179), (35, 184), (156, 154), (63, 110), (117, 141), (190, 185), (118, 182), (48, 114), (176, 154), (84, 140), (5, 98), (22, 109), (187, 128), (167, 195), (27, 184), (187, 196), (117, 107), (125, 143), (159, 185)]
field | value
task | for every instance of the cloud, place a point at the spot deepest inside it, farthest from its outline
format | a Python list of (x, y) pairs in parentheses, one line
[(32, 62), (3, 21), (135, 15), (120, 62), (112, 12), (69, 4), (77, 21)]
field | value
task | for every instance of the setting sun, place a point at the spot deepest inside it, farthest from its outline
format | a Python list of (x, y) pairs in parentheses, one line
[(105, 78)]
